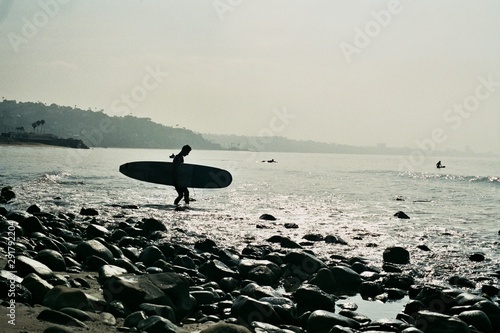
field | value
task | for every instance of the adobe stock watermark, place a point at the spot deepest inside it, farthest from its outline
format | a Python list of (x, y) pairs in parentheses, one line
[(454, 117), (33, 25), (121, 106), (225, 7), (372, 29)]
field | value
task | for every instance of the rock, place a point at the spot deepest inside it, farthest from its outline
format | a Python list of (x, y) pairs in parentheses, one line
[(169, 289), (216, 270), (411, 330), (229, 284), (314, 237), (490, 290), (58, 317), (468, 299), (133, 319), (396, 255), (263, 272), (157, 324), (255, 291), (89, 212), (150, 225), (435, 299), (461, 282), (7, 194), (164, 311), (77, 313), (206, 245), (477, 257), (52, 259), (478, 319), (307, 262), (401, 215), (25, 266), (17, 215), (150, 254), (347, 280), (33, 209), (93, 247), (107, 271), (32, 224), (491, 310), (291, 225), (370, 289), (267, 217), (433, 322), (37, 286), (284, 307), (63, 297), (247, 310), (331, 239), (310, 298), (95, 230), (204, 297), (321, 321), (403, 282), (225, 328)]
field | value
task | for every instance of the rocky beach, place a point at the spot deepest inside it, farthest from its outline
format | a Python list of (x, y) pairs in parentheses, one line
[(125, 271)]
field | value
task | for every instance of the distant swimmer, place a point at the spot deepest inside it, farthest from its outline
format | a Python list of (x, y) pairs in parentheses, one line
[(270, 161), (439, 165)]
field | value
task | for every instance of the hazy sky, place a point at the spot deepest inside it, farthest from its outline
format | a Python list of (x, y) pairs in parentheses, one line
[(424, 73)]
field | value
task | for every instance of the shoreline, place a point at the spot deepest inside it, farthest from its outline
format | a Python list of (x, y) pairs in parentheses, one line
[(221, 277)]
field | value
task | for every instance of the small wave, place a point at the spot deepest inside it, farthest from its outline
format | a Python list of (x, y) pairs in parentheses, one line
[(54, 177), (471, 179)]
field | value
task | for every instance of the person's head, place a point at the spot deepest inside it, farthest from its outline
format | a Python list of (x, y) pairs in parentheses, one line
[(185, 150)]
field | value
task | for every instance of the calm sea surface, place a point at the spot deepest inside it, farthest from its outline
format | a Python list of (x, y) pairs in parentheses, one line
[(454, 211)]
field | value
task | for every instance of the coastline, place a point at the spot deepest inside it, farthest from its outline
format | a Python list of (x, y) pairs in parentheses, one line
[(219, 276)]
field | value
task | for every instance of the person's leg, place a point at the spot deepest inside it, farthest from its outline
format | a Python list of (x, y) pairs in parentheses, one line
[(180, 194), (186, 196)]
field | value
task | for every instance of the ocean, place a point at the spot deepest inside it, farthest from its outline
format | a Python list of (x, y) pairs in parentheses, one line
[(453, 211)]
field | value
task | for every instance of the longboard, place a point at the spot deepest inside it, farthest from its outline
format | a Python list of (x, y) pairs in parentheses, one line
[(188, 175)]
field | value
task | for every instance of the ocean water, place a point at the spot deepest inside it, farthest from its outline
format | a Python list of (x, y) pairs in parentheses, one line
[(454, 211)]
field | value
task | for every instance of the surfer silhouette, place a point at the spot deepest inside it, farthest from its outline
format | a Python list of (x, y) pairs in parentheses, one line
[(182, 191), (439, 165)]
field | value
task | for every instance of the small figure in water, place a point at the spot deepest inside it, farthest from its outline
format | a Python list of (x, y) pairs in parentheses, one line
[(439, 166), (182, 192)]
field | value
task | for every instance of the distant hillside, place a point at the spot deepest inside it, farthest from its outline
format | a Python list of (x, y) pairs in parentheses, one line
[(281, 144), (95, 129)]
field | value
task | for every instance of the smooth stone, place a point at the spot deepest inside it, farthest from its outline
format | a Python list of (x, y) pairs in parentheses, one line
[(32, 224), (157, 324), (52, 258), (150, 225), (107, 271), (164, 311), (37, 286), (396, 255), (77, 313), (133, 319), (25, 266), (401, 215), (267, 217), (58, 329), (248, 309), (307, 262), (433, 322), (89, 211), (61, 297), (310, 298), (93, 247), (150, 254), (478, 319), (95, 230), (58, 317), (216, 270), (321, 321)]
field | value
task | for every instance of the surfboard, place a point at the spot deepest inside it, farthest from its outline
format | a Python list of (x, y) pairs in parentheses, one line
[(188, 175)]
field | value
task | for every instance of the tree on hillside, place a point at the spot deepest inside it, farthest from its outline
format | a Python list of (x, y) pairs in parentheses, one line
[(34, 125)]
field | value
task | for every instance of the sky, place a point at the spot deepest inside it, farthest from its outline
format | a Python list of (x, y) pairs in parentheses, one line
[(422, 74)]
